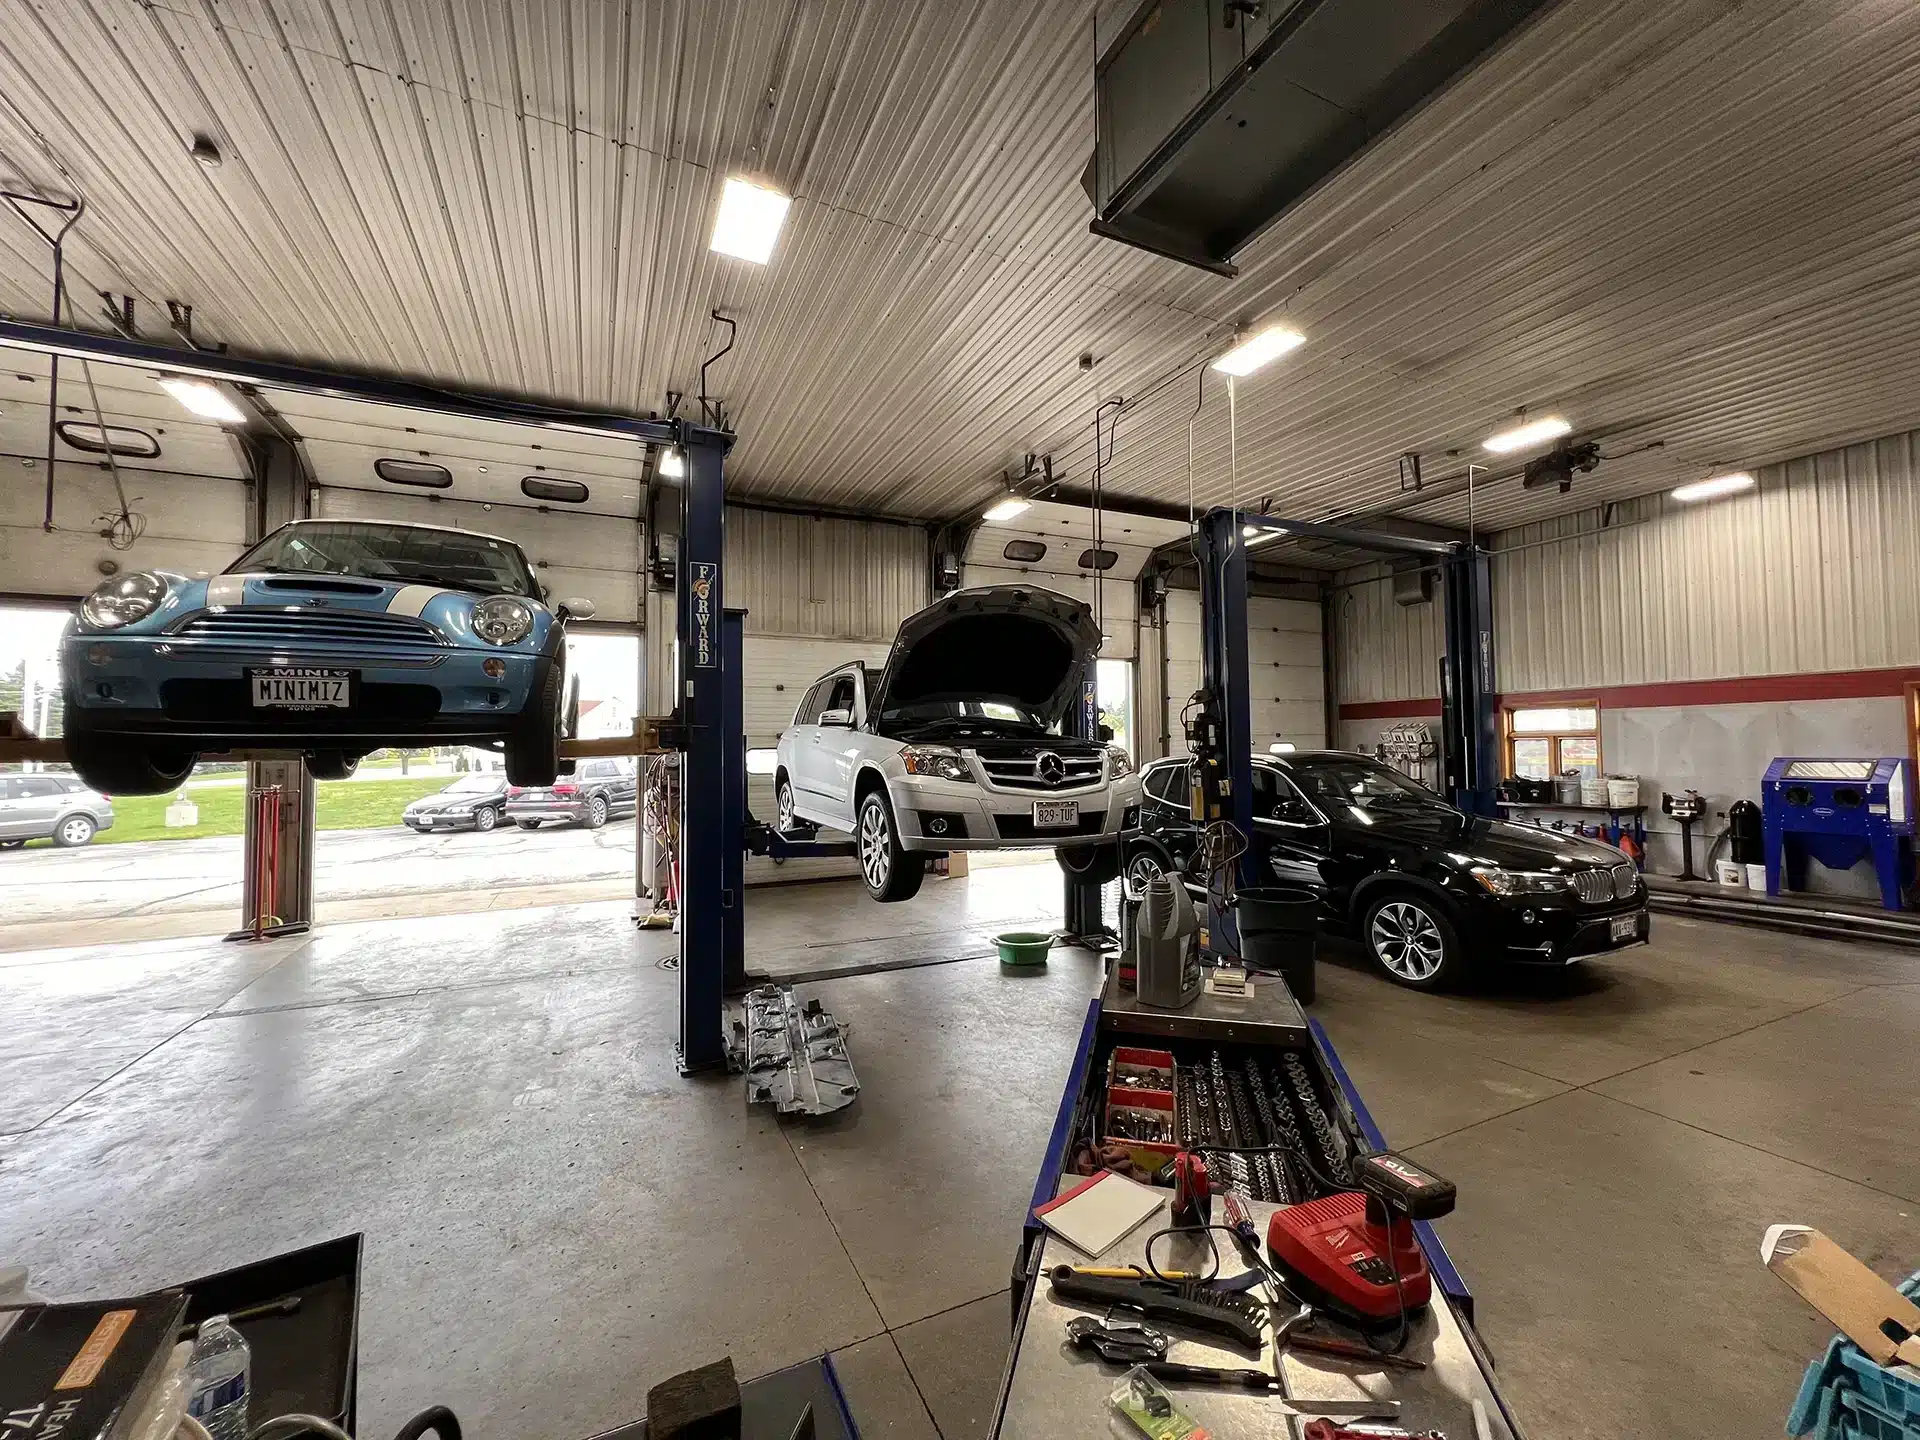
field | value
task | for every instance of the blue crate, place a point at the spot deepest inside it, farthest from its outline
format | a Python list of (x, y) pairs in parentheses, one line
[(1846, 1396)]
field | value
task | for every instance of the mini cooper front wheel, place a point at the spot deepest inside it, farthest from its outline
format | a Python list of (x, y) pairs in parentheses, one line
[(891, 873)]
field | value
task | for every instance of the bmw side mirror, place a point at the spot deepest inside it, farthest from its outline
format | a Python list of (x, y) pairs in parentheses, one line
[(577, 608), (842, 718), (1294, 812)]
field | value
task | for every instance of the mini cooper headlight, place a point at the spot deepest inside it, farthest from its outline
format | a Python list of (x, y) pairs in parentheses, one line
[(1519, 882), (123, 600), (502, 620), (1119, 763), (935, 760)]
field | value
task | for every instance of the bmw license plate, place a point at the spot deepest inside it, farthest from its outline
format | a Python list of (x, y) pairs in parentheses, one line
[(1626, 927), (293, 687), (1056, 814)]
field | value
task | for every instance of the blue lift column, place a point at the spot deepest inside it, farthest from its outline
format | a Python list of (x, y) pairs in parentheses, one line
[(1468, 746), (1082, 916), (709, 826), (1227, 773)]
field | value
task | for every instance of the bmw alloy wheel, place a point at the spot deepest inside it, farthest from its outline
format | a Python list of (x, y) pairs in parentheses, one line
[(1406, 941), (875, 840), (1142, 871)]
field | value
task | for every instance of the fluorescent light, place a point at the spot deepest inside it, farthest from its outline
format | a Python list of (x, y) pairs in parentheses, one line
[(204, 399), (1259, 534), (1007, 508), (672, 467), (1719, 485), (749, 222), (1525, 437), (1250, 354)]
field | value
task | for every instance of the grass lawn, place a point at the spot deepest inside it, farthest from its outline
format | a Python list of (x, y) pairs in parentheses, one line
[(338, 805)]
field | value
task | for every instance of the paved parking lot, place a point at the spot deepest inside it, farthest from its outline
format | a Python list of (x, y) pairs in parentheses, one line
[(166, 877)]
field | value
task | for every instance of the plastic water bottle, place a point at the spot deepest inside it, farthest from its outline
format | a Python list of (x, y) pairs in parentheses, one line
[(217, 1375)]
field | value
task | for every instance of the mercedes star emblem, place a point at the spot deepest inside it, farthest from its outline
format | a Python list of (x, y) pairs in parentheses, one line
[(1050, 767)]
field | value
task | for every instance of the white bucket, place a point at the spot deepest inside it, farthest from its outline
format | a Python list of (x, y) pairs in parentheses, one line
[(1757, 878), (1623, 791), (1730, 872), (1593, 790)]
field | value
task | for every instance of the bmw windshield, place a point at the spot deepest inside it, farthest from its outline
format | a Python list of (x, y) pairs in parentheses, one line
[(1364, 784), (410, 554)]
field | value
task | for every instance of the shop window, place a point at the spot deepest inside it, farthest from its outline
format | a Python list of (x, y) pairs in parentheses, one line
[(1548, 740), (413, 472), (121, 440), (545, 487)]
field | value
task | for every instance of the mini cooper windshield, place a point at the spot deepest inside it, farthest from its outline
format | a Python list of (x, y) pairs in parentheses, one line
[(410, 553)]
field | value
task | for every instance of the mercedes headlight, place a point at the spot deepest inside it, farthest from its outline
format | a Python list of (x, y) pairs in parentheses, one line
[(935, 760), (502, 620), (1119, 763), (1497, 881), (123, 600)]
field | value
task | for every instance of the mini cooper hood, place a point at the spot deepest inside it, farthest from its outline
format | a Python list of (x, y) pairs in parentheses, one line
[(1014, 644)]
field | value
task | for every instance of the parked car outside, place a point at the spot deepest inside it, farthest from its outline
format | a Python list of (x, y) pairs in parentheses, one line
[(597, 791), (60, 808), (1430, 890), (472, 802), (333, 638), (954, 743)]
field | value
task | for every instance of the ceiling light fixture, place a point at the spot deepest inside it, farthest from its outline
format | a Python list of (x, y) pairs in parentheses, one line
[(1259, 534), (204, 399), (749, 222), (1525, 437), (672, 466), (1008, 508), (1717, 486), (1250, 354)]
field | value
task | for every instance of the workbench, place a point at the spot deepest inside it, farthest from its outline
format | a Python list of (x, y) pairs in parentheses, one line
[(1051, 1392), (1634, 823)]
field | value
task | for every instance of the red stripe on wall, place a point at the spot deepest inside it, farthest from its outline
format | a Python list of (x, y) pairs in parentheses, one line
[(1741, 690)]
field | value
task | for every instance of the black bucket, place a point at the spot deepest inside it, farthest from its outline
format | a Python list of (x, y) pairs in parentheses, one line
[(1278, 910)]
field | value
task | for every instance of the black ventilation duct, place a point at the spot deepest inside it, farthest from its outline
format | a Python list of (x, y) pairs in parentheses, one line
[(1213, 117)]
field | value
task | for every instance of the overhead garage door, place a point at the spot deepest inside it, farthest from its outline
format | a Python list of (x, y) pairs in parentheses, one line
[(595, 557), (1285, 668)]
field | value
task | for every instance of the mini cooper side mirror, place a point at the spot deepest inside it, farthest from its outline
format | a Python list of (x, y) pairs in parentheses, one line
[(577, 608)]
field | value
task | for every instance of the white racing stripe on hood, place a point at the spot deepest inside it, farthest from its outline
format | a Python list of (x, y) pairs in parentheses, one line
[(412, 599), (226, 589)]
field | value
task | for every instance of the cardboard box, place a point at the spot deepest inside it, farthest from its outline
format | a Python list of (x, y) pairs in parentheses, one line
[(1865, 1308)]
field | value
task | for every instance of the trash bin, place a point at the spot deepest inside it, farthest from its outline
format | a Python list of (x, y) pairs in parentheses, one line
[(1279, 930)]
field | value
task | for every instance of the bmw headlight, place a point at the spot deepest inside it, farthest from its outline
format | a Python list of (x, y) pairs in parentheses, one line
[(502, 620), (123, 600), (1497, 881), (935, 760), (1119, 763)]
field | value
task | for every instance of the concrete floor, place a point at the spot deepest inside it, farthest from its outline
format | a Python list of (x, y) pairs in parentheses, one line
[(554, 1220)]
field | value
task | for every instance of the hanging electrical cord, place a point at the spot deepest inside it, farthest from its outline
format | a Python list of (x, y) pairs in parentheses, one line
[(73, 209), (126, 527)]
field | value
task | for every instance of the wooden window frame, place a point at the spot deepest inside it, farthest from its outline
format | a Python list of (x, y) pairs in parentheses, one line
[(1554, 737)]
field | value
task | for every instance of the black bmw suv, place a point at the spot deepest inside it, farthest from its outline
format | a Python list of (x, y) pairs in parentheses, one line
[(1427, 888)]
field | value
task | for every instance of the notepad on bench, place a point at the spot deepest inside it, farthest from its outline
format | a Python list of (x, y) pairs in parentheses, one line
[(1094, 1217)]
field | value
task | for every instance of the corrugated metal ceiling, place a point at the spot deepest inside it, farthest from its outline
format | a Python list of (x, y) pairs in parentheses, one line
[(1687, 223)]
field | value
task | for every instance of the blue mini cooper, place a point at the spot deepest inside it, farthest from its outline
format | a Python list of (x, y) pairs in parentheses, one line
[(329, 637)]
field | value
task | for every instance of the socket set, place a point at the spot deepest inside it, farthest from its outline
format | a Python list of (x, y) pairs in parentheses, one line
[(1261, 1127)]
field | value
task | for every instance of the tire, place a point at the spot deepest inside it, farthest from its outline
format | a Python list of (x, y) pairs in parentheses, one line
[(124, 767), (1143, 866), (485, 818), (1091, 864), (1412, 939), (74, 831), (528, 824), (533, 747), (596, 812), (783, 805), (331, 764), (891, 873)]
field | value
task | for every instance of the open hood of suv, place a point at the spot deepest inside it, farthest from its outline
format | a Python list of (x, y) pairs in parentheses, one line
[(1014, 644)]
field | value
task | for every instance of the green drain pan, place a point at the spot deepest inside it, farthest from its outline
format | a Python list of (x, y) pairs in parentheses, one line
[(1023, 947)]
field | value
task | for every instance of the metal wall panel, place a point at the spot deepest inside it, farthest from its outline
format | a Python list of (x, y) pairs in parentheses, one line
[(1811, 571), (808, 575), (1384, 650)]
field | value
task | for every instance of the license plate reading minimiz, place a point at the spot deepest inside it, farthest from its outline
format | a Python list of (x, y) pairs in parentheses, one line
[(302, 689), (1055, 814), (1626, 927)]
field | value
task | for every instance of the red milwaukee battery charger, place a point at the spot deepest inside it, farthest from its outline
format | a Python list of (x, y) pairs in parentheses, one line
[(1345, 1250)]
